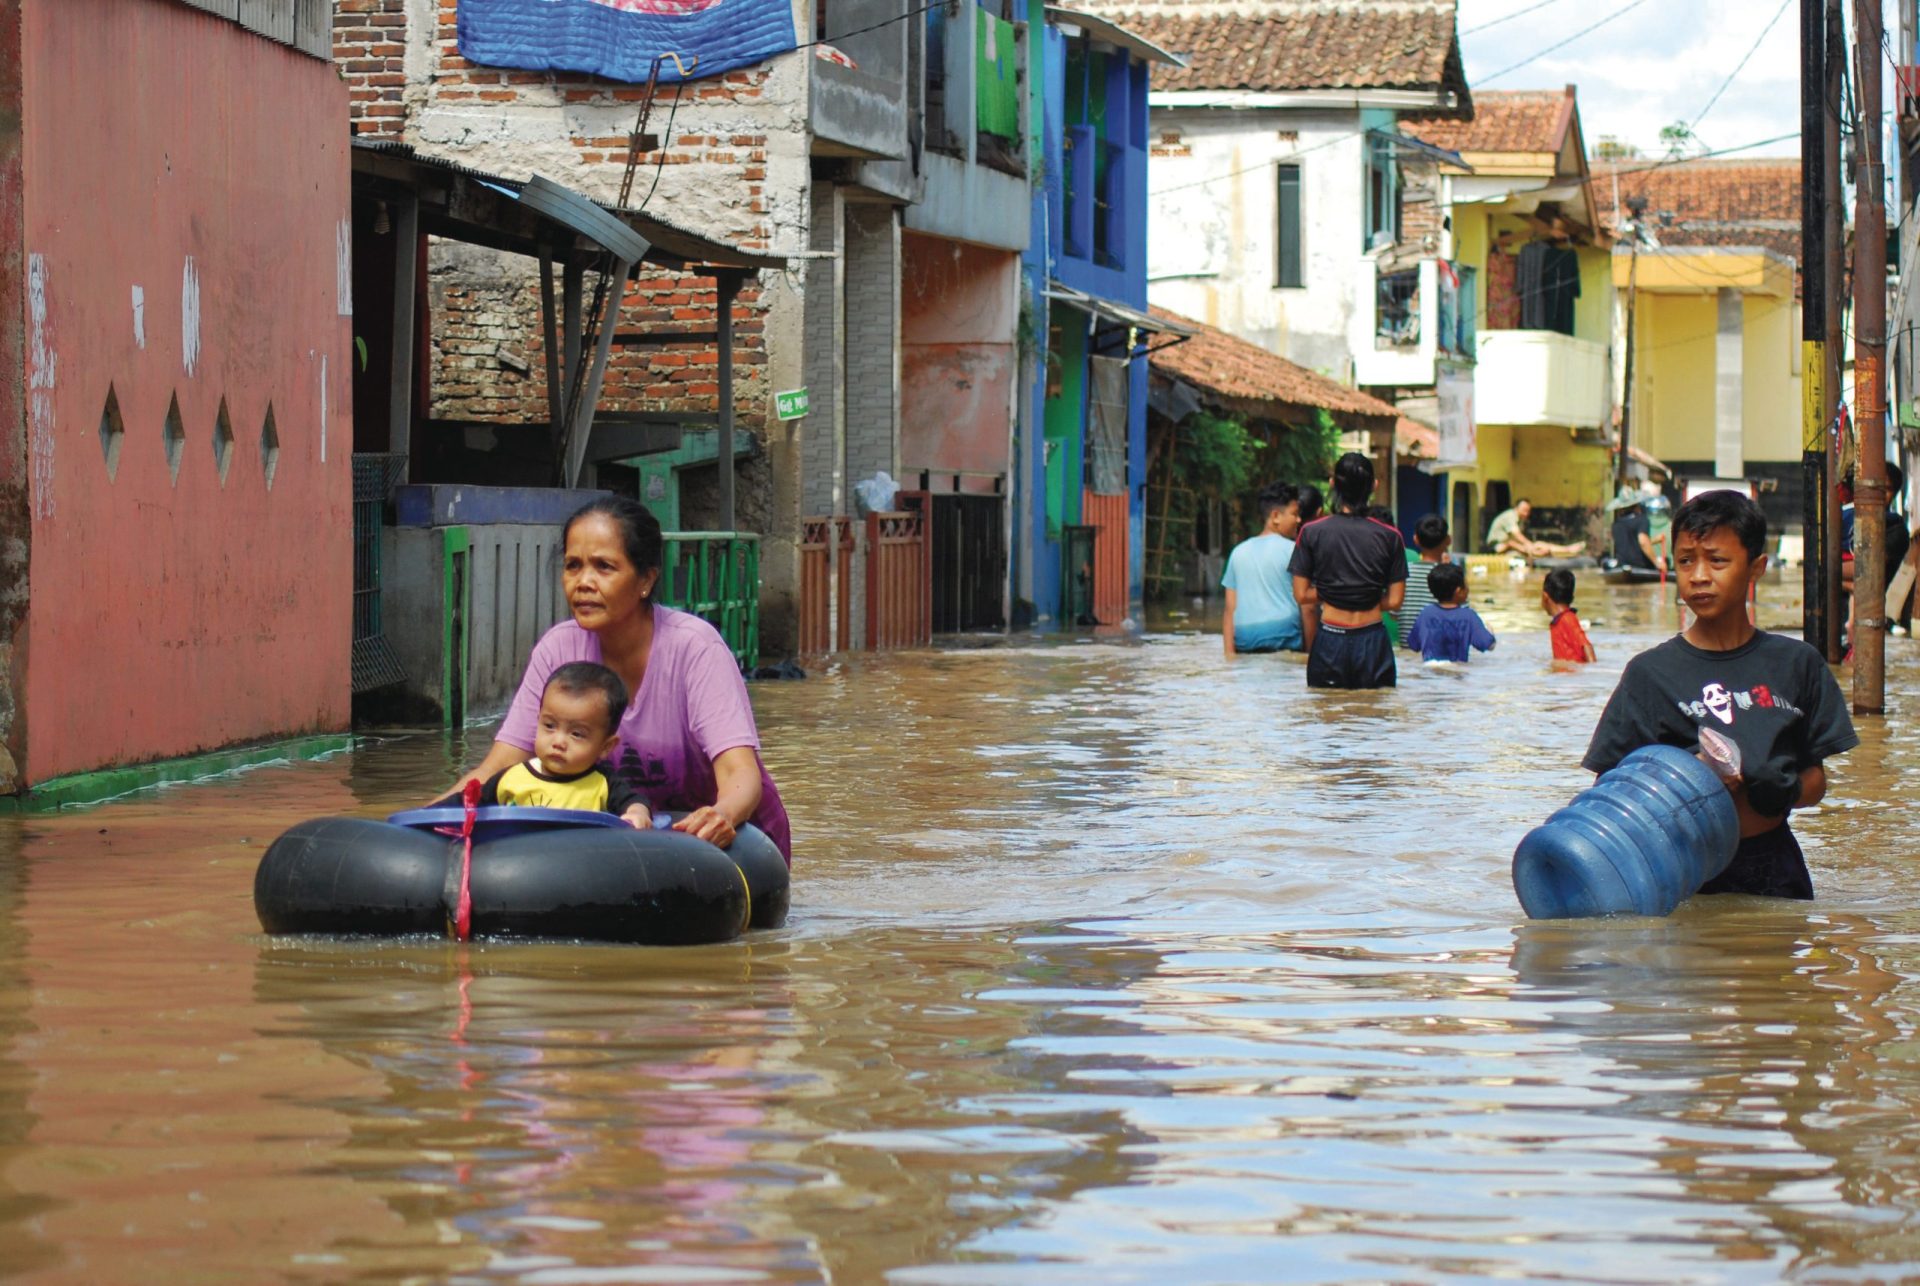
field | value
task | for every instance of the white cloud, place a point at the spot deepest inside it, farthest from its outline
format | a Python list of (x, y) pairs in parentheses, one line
[(1655, 65)]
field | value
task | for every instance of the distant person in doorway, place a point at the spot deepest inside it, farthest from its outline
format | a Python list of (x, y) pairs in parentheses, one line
[(1431, 542), (1633, 543), (1261, 615), (1570, 641), (1507, 534), (1348, 572), (1447, 629), (1772, 696)]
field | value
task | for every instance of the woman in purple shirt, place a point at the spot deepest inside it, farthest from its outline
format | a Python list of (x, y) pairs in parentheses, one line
[(687, 741)]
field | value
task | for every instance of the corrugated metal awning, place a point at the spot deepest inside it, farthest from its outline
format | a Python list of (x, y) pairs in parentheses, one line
[(466, 204), (1119, 314), (1112, 33)]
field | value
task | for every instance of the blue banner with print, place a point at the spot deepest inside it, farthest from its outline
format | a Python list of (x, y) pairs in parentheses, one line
[(620, 39)]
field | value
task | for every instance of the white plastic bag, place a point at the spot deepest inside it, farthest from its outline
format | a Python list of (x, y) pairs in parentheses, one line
[(877, 493)]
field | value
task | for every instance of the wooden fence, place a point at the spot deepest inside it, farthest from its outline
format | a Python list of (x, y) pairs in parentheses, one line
[(826, 572), (900, 574)]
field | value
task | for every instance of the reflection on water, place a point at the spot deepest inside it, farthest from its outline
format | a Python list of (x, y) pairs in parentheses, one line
[(1107, 962)]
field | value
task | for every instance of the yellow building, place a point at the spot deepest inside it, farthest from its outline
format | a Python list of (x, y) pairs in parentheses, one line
[(1522, 219), (1716, 320)]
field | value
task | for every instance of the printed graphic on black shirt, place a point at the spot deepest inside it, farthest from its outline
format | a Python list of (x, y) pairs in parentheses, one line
[(1773, 697)]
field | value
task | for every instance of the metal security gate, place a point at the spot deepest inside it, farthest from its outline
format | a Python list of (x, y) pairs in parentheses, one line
[(716, 576), (969, 563), (374, 663), (1108, 516)]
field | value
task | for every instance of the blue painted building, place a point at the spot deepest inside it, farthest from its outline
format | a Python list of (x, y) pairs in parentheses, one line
[(1079, 524)]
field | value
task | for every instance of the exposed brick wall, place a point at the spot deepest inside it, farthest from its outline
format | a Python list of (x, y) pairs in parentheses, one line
[(732, 166), (489, 348), (369, 44)]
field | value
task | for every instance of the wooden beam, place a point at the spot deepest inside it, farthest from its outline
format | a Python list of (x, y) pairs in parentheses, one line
[(582, 425), (405, 216), (550, 324), (726, 286)]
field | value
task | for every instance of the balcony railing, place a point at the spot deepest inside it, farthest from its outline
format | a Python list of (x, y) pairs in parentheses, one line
[(1540, 377)]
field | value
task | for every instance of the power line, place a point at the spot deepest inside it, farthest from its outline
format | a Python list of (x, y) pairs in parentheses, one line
[(1622, 11), (885, 22), (1261, 165), (1702, 156), (1739, 66), (1517, 13)]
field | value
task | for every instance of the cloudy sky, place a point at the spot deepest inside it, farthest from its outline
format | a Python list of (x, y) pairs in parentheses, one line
[(1658, 62)]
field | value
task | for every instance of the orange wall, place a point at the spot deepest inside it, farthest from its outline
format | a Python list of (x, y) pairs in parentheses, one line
[(959, 310), (164, 149)]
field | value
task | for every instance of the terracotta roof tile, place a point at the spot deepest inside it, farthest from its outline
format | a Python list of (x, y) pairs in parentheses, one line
[(1238, 371), (1301, 44), (1709, 203), (1528, 120), (1416, 440)]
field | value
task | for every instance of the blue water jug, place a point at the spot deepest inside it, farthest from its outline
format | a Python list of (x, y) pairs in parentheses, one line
[(1639, 841)]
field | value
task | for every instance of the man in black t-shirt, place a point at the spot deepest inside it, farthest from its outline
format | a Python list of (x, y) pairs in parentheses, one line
[(1633, 544), (1771, 696), (1349, 569)]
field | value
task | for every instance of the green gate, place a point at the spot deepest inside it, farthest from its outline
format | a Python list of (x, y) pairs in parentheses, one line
[(716, 576)]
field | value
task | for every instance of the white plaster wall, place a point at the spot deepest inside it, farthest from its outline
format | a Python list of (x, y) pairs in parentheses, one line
[(1211, 247)]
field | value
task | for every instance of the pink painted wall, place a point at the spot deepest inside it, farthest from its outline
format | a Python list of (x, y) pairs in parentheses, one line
[(959, 318), (171, 156)]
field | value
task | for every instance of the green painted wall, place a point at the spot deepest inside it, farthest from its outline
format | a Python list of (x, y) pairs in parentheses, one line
[(1066, 418)]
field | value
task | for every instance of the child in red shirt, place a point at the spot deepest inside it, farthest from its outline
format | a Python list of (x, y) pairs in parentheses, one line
[(1570, 641)]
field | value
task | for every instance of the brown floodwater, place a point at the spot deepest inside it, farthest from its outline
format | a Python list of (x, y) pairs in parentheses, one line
[(1108, 962)]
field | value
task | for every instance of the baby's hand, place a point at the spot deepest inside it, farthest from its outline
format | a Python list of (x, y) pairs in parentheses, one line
[(637, 817)]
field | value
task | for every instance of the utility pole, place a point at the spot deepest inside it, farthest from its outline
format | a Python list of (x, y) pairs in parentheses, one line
[(1638, 206), (1870, 376), (1833, 276), (1813, 295)]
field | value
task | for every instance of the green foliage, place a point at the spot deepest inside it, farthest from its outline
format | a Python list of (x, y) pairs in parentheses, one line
[(1215, 456), (1211, 459), (1306, 454), (1677, 138)]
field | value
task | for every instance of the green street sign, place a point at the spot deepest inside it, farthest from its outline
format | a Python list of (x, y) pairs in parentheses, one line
[(792, 404)]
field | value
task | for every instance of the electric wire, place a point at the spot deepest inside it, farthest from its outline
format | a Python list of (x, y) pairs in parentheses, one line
[(1621, 12), (1517, 13), (1739, 66)]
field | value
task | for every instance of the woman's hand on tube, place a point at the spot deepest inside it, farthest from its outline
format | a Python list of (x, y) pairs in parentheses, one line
[(736, 775), (709, 824)]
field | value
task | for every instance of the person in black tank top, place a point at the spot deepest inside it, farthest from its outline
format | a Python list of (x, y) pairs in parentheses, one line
[(1347, 570)]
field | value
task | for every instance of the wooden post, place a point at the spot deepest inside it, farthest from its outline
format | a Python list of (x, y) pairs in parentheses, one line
[(556, 375), (1834, 274), (406, 283), (726, 286), (1869, 379), (582, 427)]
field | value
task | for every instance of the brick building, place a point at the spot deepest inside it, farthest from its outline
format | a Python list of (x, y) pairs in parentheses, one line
[(727, 156)]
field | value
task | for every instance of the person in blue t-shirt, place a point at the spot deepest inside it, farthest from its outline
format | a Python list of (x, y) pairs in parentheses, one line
[(1447, 627), (1262, 615)]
